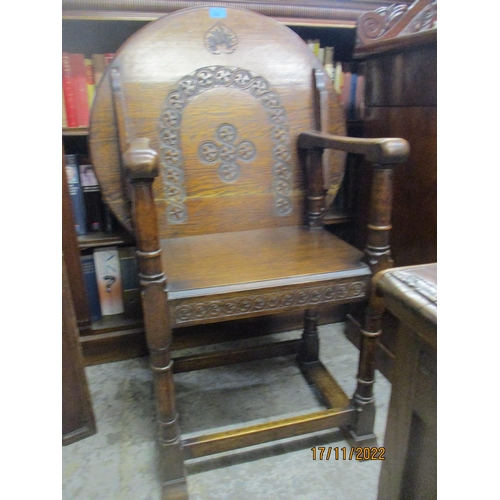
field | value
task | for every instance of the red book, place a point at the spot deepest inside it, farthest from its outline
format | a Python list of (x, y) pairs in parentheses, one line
[(345, 97), (108, 57), (79, 76), (69, 92)]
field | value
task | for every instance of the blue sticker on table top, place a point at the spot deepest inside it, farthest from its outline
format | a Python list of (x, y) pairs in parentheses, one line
[(217, 12)]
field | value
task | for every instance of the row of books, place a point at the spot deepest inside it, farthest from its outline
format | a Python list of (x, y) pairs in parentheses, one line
[(90, 214), (112, 282), (80, 77), (348, 81)]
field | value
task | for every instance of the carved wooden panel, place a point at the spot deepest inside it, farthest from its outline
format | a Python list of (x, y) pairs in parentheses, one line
[(181, 79), (396, 20), (226, 153), (191, 311)]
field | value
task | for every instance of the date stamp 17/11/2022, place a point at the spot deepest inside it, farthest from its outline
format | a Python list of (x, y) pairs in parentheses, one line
[(361, 453)]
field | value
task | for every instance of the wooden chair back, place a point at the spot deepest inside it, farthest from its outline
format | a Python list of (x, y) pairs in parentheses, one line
[(222, 95)]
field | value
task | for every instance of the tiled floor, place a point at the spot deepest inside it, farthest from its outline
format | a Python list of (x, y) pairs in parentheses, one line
[(119, 462)]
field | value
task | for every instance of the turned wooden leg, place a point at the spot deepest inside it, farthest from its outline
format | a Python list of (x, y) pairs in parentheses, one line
[(309, 351), (378, 249), (159, 339), (141, 165), (363, 399)]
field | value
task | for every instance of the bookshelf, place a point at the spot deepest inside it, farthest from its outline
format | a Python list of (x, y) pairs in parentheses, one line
[(97, 26)]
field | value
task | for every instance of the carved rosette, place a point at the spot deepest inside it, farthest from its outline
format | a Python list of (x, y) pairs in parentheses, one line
[(171, 161), (227, 154), (268, 302)]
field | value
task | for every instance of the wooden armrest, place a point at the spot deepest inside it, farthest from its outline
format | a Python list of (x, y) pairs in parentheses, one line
[(140, 161), (385, 151)]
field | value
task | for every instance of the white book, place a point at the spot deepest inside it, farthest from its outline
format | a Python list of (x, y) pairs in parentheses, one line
[(109, 280)]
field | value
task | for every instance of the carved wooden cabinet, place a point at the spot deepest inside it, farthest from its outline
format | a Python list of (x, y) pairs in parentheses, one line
[(78, 420), (398, 46), (410, 468)]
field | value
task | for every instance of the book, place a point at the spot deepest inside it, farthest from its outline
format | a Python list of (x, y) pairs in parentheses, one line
[(360, 97), (108, 58), (79, 77), (321, 55), (328, 64), (76, 193), (108, 219), (68, 86), (90, 280), (351, 104), (91, 196), (314, 45), (109, 283), (131, 288), (99, 67), (338, 78), (64, 117), (346, 86), (89, 73)]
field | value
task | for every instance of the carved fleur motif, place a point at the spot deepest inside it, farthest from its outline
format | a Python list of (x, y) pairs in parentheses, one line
[(221, 40)]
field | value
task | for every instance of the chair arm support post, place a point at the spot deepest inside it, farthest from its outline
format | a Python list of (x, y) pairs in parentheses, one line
[(385, 154), (378, 248), (315, 200), (141, 167), (363, 397)]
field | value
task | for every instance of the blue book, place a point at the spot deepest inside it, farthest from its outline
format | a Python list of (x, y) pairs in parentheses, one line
[(351, 110), (90, 279), (76, 194)]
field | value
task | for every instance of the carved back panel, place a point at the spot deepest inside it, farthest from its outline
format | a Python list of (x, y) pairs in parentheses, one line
[(222, 95)]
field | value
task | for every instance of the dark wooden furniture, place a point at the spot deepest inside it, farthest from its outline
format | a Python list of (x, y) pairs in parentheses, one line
[(77, 414), (398, 46), (207, 136), (410, 468)]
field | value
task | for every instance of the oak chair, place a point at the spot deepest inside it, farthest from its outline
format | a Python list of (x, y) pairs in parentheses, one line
[(208, 134)]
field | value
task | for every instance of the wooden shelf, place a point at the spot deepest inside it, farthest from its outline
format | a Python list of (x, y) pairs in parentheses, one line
[(75, 131), (93, 240), (113, 322), (331, 218)]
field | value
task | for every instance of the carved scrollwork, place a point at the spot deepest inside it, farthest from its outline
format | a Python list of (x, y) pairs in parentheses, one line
[(267, 302), (396, 20), (423, 21), (229, 152), (373, 25)]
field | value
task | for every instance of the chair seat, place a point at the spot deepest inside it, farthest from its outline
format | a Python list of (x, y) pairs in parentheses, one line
[(227, 275)]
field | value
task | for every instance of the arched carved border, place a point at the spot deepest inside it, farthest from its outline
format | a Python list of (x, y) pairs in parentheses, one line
[(186, 89)]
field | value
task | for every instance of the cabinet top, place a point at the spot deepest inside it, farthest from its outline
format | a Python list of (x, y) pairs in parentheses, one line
[(396, 27), (329, 13)]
